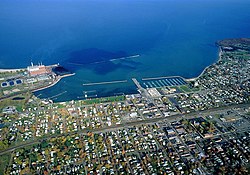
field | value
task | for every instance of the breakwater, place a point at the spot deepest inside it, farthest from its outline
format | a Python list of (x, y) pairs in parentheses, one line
[(105, 82)]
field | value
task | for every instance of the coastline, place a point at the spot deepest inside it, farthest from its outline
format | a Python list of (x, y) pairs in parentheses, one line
[(147, 78), (12, 70), (58, 78), (22, 69), (204, 70), (54, 83), (189, 79)]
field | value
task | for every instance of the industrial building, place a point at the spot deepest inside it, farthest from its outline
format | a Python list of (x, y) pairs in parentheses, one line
[(39, 69)]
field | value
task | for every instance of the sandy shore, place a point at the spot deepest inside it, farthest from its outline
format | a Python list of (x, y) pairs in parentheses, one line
[(23, 69), (11, 70)]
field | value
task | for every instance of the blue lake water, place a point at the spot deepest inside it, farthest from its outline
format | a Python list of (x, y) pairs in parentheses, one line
[(172, 37)]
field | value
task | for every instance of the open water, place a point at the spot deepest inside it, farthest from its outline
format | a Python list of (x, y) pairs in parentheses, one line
[(172, 37)]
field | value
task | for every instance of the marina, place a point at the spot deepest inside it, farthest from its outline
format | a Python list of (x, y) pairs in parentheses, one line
[(89, 94), (163, 81), (163, 77)]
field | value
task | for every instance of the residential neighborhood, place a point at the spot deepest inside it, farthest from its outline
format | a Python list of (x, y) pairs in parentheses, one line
[(200, 126)]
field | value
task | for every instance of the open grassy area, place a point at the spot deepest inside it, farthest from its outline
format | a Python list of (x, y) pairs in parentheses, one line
[(4, 162), (185, 88), (18, 103), (59, 105), (9, 74), (103, 100)]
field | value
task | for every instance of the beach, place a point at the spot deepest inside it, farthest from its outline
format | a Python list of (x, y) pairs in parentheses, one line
[(11, 70)]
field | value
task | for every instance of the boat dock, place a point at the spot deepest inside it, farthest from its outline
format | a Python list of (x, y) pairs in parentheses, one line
[(57, 95), (163, 82), (137, 83), (141, 90), (105, 82)]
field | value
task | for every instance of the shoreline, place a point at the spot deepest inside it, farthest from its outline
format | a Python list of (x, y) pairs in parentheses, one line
[(54, 83), (12, 70), (152, 78), (188, 79), (147, 78), (204, 70), (2, 70)]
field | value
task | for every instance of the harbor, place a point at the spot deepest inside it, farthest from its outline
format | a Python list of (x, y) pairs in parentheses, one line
[(163, 81), (105, 82)]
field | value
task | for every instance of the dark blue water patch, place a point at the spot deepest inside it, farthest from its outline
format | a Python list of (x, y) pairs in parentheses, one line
[(4, 84), (59, 70), (107, 67), (11, 83), (99, 61), (18, 98), (93, 56), (18, 81)]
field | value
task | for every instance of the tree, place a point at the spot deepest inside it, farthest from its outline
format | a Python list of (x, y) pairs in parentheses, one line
[(3, 145), (44, 144)]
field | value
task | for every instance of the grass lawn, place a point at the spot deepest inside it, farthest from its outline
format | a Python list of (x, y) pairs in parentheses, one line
[(60, 105), (185, 88), (195, 89), (4, 162), (18, 103)]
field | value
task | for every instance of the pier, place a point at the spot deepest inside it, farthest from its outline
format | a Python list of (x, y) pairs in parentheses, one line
[(163, 81), (105, 82), (58, 95), (137, 84), (142, 91)]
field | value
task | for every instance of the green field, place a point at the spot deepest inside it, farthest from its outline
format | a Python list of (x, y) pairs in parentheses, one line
[(4, 162), (17, 103), (185, 88)]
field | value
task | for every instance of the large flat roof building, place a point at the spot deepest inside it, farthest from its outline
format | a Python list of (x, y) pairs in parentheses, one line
[(34, 70)]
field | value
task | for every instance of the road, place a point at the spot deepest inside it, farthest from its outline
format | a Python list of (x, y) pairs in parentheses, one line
[(129, 124)]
